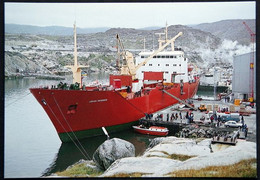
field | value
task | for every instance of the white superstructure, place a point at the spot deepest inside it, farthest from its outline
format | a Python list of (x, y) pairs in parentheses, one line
[(173, 64), (168, 66)]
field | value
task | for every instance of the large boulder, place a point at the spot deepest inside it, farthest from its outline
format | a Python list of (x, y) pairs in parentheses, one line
[(111, 150)]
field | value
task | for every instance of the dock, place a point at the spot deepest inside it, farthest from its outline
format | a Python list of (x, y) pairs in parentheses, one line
[(226, 139)]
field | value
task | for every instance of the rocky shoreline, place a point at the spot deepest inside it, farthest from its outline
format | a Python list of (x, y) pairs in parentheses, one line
[(36, 76), (165, 156)]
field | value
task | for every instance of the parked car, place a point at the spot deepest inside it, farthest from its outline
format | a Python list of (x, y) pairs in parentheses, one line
[(232, 124)]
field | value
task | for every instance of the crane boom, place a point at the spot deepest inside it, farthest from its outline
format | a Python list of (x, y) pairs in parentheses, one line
[(249, 30), (156, 52), (251, 84)]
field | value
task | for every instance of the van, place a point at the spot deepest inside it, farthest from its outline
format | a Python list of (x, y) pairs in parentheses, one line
[(230, 117)]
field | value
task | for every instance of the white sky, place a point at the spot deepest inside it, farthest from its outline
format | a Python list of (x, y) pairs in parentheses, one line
[(126, 15)]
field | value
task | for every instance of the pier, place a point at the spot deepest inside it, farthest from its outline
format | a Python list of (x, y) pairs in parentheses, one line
[(183, 127)]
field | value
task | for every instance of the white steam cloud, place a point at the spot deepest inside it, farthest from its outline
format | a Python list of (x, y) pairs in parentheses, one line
[(224, 53)]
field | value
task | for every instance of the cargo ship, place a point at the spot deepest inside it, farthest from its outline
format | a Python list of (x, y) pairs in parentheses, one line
[(152, 81)]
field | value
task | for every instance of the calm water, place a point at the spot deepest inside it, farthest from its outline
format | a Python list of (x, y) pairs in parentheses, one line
[(32, 146)]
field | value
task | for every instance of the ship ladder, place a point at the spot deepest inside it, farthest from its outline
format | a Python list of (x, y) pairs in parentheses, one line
[(84, 154), (179, 99), (72, 132)]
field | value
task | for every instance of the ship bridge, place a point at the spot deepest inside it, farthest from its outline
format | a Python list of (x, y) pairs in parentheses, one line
[(172, 63)]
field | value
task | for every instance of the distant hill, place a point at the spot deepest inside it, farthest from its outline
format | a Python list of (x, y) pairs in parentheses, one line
[(233, 30), (49, 30), (150, 28)]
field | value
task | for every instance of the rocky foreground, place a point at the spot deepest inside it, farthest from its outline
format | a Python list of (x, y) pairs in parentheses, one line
[(165, 156)]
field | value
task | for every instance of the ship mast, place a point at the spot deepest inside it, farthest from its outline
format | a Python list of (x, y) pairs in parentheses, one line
[(76, 68)]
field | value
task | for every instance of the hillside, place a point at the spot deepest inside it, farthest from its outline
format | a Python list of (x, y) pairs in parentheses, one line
[(49, 53), (49, 30), (233, 30)]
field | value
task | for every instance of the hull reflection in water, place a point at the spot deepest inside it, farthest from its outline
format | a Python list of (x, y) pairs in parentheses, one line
[(69, 154)]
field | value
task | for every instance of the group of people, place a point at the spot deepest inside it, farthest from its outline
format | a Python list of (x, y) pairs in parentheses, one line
[(174, 116)]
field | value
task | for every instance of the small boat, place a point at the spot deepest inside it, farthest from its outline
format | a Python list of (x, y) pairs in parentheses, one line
[(152, 130)]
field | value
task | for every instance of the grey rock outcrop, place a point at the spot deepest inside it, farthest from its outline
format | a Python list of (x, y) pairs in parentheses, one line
[(111, 150), (163, 158)]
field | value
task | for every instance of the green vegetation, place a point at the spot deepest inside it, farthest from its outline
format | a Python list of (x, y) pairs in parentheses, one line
[(179, 157), (136, 174), (65, 60), (80, 170), (244, 168)]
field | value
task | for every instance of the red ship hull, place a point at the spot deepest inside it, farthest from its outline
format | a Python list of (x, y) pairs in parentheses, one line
[(81, 113)]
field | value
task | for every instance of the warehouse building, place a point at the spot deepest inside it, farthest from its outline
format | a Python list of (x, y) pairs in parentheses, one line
[(244, 76)]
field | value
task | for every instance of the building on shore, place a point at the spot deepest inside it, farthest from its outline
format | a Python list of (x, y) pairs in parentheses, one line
[(244, 76)]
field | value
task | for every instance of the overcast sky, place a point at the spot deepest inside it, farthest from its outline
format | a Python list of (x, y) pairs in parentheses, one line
[(126, 15)]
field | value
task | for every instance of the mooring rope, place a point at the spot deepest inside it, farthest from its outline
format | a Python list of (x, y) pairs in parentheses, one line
[(18, 99), (66, 131), (131, 104), (70, 127)]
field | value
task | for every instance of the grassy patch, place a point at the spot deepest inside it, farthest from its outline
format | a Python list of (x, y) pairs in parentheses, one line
[(80, 170), (136, 174), (198, 140), (244, 168), (179, 157)]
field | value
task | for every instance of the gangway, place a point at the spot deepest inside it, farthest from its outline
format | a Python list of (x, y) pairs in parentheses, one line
[(179, 100)]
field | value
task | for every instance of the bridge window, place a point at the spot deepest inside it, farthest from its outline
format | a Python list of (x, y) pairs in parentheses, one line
[(171, 56), (150, 64), (142, 56), (179, 64), (158, 56), (174, 65), (167, 56), (167, 64), (158, 64), (163, 56)]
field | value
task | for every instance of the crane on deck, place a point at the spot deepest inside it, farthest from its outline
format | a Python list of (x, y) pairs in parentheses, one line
[(128, 66)]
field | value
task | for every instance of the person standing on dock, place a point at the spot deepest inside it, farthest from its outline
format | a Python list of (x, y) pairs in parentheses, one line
[(172, 117), (245, 130), (180, 115), (187, 115), (242, 120), (176, 116), (161, 116), (167, 117), (219, 119)]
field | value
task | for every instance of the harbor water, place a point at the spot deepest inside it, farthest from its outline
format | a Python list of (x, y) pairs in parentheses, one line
[(32, 147)]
